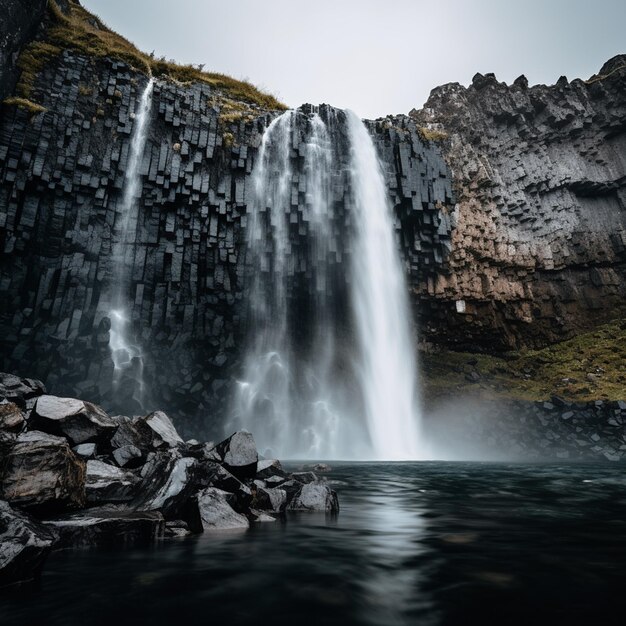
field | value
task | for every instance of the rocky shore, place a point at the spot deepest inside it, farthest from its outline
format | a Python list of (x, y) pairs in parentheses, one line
[(73, 476)]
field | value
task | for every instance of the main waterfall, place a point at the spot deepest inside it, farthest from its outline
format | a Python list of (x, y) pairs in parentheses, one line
[(126, 353), (330, 368)]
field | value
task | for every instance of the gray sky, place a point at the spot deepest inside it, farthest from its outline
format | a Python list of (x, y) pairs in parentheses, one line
[(374, 56)]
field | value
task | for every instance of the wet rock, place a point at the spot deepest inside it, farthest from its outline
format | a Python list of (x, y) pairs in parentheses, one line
[(164, 433), (177, 528), (304, 477), (85, 450), (269, 467), (24, 546), (19, 390), (239, 454), (167, 485), (41, 473), (109, 484), (211, 474), (11, 417), (257, 516), (315, 497), (128, 456), (216, 513), (107, 525), (79, 421)]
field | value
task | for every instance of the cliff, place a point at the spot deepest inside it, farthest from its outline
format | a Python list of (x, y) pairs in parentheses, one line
[(62, 173), (509, 205), (538, 248)]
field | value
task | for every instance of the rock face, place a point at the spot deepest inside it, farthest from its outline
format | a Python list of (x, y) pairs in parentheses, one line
[(41, 473), (539, 244), (24, 546), (189, 268)]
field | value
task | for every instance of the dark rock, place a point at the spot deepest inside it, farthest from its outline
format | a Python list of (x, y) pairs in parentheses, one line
[(79, 421), (168, 483), (41, 473), (239, 454), (109, 484), (128, 456), (177, 528), (19, 390), (24, 546), (106, 526), (269, 467), (130, 433), (315, 497), (11, 417), (85, 450), (305, 477), (164, 433), (216, 513)]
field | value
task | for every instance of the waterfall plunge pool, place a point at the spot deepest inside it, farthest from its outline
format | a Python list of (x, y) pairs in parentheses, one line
[(414, 543)]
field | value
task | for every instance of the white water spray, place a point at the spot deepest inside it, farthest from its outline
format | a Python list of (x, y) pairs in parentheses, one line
[(386, 368), (313, 389), (127, 356)]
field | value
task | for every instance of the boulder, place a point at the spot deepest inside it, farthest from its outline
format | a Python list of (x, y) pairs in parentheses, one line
[(109, 484), (130, 433), (128, 456), (211, 474), (163, 431), (239, 454), (177, 528), (304, 477), (41, 473), (19, 390), (11, 417), (85, 450), (107, 525), (168, 485), (79, 421), (269, 467), (315, 497), (24, 546), (216, 513)]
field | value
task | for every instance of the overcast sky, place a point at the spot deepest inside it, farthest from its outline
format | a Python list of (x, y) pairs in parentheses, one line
[(374, 56)]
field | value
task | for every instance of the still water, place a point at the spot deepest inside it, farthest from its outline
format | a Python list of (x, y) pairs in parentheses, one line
[(414, 543)]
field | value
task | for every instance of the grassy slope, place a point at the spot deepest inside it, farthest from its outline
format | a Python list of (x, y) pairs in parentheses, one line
[(589, 367), (81, 30)]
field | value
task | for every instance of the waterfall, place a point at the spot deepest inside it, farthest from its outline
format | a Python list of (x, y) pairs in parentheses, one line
[(387, 368), (126, 353), (329, 370)]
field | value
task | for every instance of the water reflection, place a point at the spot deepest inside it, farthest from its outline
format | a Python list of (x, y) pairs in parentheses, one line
[(414, 543)]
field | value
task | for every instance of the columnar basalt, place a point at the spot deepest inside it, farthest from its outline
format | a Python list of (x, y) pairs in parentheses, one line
[(539, 245), (61, 189)]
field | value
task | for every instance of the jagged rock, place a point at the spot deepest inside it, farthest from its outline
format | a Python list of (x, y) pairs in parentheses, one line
[(269, 467), (315, 497), (261, 516), (130, 433), (211, 474), (128, 456), (85, 450), (304, 477), (24, 546), (107, 525), (79, 421), (177, 528), (168, 485), (216, 513), (239, 454), (164, 432), (11, 417), (109, 484), (19, 390), (41, 473)]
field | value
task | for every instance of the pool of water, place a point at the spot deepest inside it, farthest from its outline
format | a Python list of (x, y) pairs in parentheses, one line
[(414, 543)]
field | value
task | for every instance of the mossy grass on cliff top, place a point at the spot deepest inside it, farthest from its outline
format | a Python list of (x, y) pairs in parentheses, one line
[(78, 29), (591, 366), (23, 103)]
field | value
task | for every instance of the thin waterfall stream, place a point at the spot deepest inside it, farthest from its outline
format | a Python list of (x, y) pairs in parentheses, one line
[(125, 351), (330, 370)]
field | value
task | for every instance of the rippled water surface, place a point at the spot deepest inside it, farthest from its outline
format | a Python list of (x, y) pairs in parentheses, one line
[(415, 543)]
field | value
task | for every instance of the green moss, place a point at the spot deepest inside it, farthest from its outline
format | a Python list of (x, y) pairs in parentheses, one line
[(428, 134), (81, 30), (32, 107), (590, 366)]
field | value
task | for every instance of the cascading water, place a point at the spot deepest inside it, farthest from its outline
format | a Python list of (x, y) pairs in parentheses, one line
[(126, 354), (386, 369), (329, 372)]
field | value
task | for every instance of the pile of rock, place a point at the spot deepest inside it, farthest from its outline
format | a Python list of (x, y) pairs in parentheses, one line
[(71, 475)]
